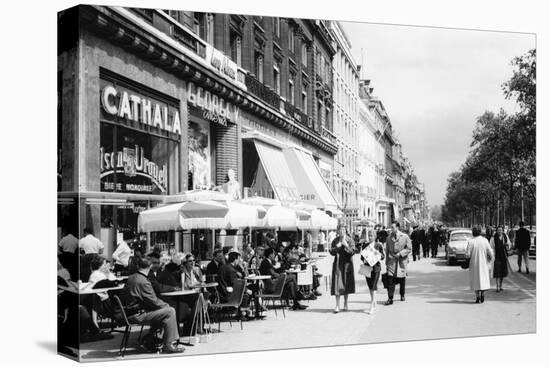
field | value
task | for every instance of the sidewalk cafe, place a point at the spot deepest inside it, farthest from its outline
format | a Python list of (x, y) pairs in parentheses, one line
[(245, 226)]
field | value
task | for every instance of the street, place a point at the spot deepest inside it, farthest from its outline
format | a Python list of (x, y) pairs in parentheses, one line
[(438, 304)]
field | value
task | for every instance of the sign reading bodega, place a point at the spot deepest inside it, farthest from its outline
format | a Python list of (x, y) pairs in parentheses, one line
[(132, 107), (132, 162), (214, 108)]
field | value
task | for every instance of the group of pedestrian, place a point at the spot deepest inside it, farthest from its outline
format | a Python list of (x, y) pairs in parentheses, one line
[(428, 240), (491, 250), (391, 249)]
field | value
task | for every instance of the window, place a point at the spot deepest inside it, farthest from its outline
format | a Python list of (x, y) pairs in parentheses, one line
[(327, 119), (319, 114), (291, 91), (277, 27), (277, 78), (259, 66), (236, 53), (304, 99), (291, 40), (304, 54), (204, 26)]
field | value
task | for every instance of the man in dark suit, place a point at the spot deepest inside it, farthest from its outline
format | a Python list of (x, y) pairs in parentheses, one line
[(227, 276), (522, 243), (151, 310), (153, 276), (213, 266), (291, 286)]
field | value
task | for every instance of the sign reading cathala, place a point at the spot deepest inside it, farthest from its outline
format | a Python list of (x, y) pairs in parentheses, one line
[(213, 108), (132, 162), (130, 106)]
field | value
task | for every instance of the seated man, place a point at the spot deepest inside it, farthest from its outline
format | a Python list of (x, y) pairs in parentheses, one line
[(154, 259), (213, 266), (227, 275), (291, 287), (152, 311)]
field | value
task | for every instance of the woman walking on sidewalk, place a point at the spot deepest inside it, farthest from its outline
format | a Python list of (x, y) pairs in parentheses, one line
[(372, 280), (343, 279), (481, 255), (500, 243)]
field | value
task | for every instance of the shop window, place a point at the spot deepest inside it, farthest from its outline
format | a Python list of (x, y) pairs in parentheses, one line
[(137, 162)]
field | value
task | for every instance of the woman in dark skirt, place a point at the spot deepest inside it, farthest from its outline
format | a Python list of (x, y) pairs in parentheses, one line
[(343, 279), (500, 243), (372, 282)]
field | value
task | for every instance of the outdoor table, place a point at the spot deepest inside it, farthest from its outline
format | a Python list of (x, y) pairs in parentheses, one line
[(201, 319), (178, 294), (295, 271), (89, 290)]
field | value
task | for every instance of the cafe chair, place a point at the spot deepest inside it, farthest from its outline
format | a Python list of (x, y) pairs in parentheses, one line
[(277, 295), (121, 319), (232, 304)]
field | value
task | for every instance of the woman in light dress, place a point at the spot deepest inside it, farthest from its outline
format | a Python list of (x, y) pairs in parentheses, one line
[(481, 255)]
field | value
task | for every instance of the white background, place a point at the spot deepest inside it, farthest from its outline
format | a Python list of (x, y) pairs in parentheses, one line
[(28, 105)]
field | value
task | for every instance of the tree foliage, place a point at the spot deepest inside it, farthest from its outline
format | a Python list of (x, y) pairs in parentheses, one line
[(502, 160)]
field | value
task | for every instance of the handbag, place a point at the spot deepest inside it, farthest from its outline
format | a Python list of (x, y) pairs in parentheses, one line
[(365, 270)]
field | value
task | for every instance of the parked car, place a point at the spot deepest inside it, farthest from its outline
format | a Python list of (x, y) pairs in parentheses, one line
[(458, 243)]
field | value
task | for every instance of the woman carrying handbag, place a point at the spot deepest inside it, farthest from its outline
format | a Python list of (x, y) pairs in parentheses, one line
[(372, 253), (343, 278)]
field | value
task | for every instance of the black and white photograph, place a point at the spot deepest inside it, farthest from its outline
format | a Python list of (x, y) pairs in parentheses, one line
[(270, 183), (236, 183)]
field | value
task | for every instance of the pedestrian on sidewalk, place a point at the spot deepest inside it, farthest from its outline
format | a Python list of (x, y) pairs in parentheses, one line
[(425, 243), (417, 238), (500, 244), (522, 243), (435, 239), (398, 248), (481, 255), (343, 278), (372, 281)]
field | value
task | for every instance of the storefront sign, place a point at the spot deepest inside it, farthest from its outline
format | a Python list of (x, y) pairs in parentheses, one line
[(125, 104), (250, 122), (212, 107), (221, 63), (132, 162)]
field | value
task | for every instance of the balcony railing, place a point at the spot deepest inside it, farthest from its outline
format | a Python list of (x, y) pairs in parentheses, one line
[(262, 91), (189, 41), (296, 113)]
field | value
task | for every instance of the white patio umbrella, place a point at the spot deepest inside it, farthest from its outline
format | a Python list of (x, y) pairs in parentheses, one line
[(186, 215)]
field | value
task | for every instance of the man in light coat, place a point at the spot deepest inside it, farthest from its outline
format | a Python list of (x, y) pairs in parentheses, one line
[(398, 248)]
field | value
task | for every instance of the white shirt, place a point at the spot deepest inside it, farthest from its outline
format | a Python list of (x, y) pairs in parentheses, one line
[(69, 243), (90, 244), (122, 254)]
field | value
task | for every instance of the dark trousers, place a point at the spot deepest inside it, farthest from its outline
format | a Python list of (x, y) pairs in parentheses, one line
[(434, 249), (163, 318), (416, 251), (391, 286), (425, 250)]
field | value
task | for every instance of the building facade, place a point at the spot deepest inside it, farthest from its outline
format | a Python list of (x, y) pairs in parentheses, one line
[(156, 102), (346, 128)]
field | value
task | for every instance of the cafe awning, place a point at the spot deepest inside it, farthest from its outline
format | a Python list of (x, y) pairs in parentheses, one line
[(311, 185), (318, 220), (277, 170)]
